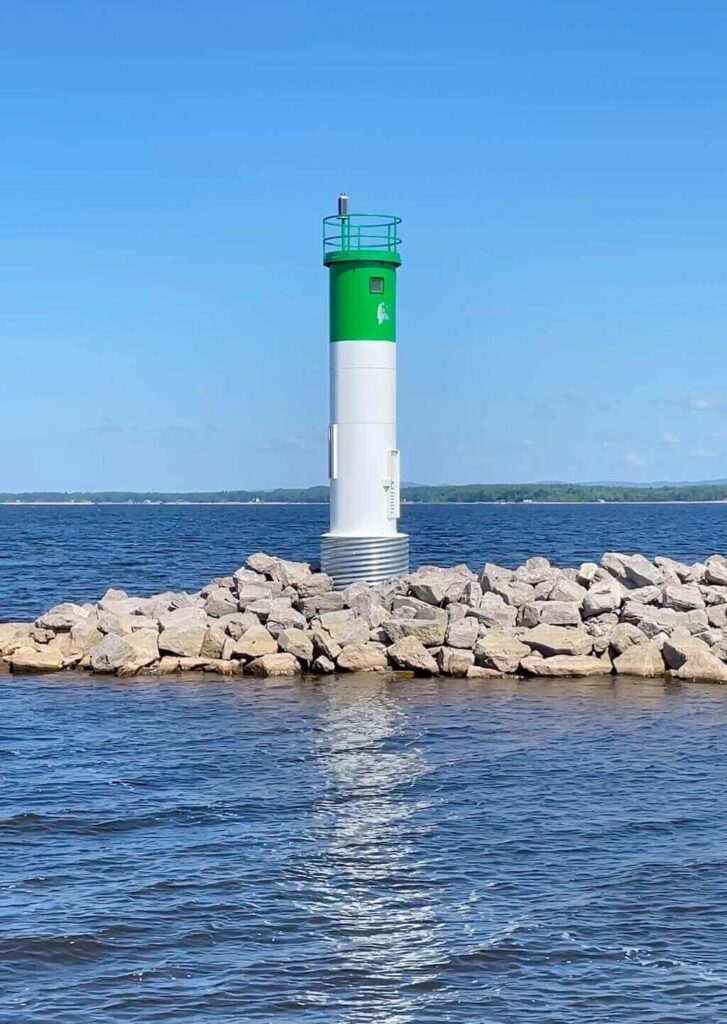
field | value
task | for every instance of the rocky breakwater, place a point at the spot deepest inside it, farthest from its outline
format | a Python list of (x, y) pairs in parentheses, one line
[(274, 617)]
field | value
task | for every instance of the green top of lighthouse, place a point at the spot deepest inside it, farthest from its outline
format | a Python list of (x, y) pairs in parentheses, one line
[(360, 236)]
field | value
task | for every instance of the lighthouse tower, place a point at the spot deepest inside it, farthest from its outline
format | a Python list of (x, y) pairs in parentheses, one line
[(361, 252)]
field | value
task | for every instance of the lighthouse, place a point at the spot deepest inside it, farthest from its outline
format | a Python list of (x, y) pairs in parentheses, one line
[(361, 252)]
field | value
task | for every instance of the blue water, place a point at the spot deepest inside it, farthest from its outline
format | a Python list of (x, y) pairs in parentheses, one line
[(354, 850), (49, 553)]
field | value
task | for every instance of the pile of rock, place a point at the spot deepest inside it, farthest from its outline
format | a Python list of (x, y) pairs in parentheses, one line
[(275, 617)]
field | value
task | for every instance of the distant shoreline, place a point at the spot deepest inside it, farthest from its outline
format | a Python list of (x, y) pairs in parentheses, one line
[(268, 504)]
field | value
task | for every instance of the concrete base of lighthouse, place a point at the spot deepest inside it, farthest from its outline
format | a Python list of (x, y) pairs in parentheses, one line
[(364, 559)]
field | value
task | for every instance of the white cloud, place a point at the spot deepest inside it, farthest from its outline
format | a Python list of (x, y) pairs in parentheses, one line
[(700, 453), (635, 460), (670, 439), (527, 442)]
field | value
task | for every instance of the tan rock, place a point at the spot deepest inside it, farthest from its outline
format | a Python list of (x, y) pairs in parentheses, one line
[(298, 643), (702, 667), (454, 662), (256, 642), (213, 643), (35, 659), (13, 635), (551, 640), (642, 660), (410, 653), (500, 650), (562, 665), (274, 665), (480, 672), (185, 641), (676, 649), (145, 651), (365, 657)]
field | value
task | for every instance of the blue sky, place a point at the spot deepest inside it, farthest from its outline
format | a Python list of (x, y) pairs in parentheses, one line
[(560, 169)]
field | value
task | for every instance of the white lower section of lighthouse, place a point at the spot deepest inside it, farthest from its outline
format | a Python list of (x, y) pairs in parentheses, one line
[(363, 542)]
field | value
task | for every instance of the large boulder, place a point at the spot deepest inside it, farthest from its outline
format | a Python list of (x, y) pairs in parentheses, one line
[(677, 650), (362, 657), (494, 613), (615, 563), (463, 633), (684, 597), (296, 642), (550, 640), (512, 592), (454, 662), (255, 642), (220, 601), (410, 653), (32, 659), (274, 665), (213, 644), (577, 665), (625, 635), (604, 596), (560, 613), (113, 652), (181, 618), (315, 585), (642, 572), (644, 660), (567, 590), (144, 644), (184, 641), (324, 644), (62, 617), (702, 667), (13, 635), (715, 571), (501, 651)]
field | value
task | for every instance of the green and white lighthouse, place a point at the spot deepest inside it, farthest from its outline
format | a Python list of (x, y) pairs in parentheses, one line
[(361, 252)]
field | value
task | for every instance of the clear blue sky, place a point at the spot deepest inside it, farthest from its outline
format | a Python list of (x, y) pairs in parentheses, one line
[(560, 168)]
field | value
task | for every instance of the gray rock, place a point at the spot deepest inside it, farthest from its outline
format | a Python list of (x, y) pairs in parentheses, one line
[(35, 659), (85, 636), (512, 592), (625, 635), (642, 572), (331, 602), (220, 602), (113, 652), (715, 571), (181, 618), (431, 631), (213, 643), (646, 595), (603, 597), (14, 635), (683, 597), (253, 593), (717, 616), (643, 660), (411, 654), (529, 615), (184, 641), (323, 665), (144, 645), (236, 623), (560, 613), (62, 617), (325, 645), (550, 640), (615, 563), (472, 594), (677, 650), (435, 586), (494, 613), (463, 633), (315, 585), (261, 563), (563, 665), (589, 573), (567, 591)]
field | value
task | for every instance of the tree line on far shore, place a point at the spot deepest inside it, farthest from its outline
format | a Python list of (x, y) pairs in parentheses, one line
[(466, 493)]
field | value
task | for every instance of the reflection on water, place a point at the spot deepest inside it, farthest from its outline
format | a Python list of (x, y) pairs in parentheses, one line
[(369, 878), (362, 851)]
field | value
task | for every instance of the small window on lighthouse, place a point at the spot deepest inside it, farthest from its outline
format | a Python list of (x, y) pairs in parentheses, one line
[(376, 285)]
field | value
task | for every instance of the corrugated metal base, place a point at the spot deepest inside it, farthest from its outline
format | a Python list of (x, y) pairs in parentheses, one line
[(368, 559)]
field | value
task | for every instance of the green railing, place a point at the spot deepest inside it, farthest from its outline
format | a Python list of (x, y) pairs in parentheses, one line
[(358, 231)]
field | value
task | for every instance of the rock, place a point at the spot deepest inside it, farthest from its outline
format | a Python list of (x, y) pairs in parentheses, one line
[(410, 653), (560, 613), (702, 667), (536, 571), (192, 664), (35, 659), (236, 623), (331, 602), (431, 632), (512, 592), (84, 636), (13, 635), (566, 665), (642, 660), (285, 618), (601, 598), (646, 595), (323, 665), (349, 631), (184, 641), (62, 617), (255, 642), (114, 595), (494, 613), (472, 594), (274, 665), (362, 657), (220, 602), (550, 640), (625, 635), (261, 563), (683, 597), (685, 573), (677, 650), (291, 574), (529, 615), (567, 591), (717, 616), (167, 665), (213, 643), (463, 633), (435, 585), (588, 573), (296, 642), (501, 651), (367, 604), (128, 606), (480, 672), (615, 563), (111, 653), (253, 593), (325, 645), (315, 585), (144, 644), (109, 622), (181, 618), (715, 571), (454, 662), (221, 667), (642, 572)]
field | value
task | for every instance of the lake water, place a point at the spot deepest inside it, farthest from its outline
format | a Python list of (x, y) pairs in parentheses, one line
[(55, 553), (354, 850)]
